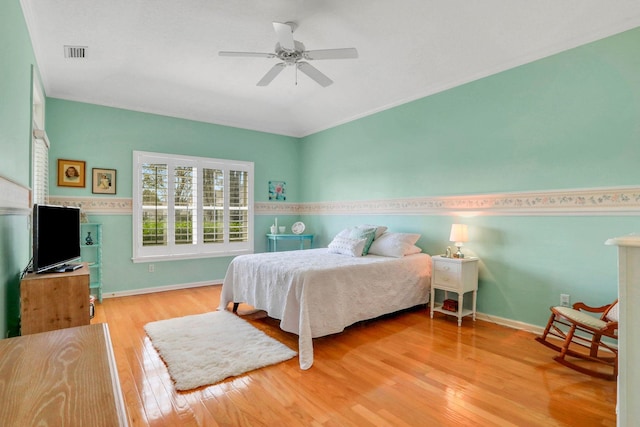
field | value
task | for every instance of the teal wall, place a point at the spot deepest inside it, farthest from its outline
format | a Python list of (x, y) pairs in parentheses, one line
[(568, 121), (16, 63), (106, 137), (526, 262)]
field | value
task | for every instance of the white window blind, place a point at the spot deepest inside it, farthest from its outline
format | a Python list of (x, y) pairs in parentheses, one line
[(191, 207), (40, 167)]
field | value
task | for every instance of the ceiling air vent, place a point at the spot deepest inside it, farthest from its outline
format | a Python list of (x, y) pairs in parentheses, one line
[(75, 51)]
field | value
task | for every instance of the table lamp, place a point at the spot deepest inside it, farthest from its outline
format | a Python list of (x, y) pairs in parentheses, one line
[(459, 235)]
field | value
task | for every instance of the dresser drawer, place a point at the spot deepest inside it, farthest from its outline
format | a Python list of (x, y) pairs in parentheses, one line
[(447, 274)]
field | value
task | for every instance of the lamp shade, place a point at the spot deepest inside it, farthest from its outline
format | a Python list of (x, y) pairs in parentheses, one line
[(459, 233)]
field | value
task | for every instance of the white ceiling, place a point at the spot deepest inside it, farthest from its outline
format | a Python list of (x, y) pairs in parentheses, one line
[(161, 56)]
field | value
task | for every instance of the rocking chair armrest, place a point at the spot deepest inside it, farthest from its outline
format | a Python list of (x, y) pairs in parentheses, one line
[(585, 307), (611, 326)]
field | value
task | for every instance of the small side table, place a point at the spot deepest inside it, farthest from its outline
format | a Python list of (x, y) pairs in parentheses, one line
[(459, 275), (272, 240)]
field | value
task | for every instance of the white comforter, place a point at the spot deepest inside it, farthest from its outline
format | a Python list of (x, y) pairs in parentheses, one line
[(316, 293)]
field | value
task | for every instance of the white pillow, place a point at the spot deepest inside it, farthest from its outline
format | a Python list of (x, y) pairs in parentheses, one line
[(363, 233), (347, 246), (412, 250), (394, 245), (379, 230)]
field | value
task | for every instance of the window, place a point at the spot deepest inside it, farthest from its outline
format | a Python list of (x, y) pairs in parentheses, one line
[(191, 207), (40, 167), (39, 149)]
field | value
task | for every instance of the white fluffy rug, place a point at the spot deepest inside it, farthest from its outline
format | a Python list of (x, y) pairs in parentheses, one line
[(206, 348)]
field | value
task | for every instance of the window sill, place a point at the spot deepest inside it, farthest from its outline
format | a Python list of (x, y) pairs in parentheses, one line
[(179, 257)]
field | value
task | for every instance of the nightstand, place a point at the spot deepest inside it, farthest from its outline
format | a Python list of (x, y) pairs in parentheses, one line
[(459, 275)]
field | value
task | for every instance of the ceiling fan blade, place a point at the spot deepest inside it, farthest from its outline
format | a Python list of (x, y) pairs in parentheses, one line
[(248, 54), (271, 74), (284, 33), (346, 53), (314, 74)]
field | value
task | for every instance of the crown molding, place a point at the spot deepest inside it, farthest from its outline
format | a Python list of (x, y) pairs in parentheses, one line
[(572, 202)]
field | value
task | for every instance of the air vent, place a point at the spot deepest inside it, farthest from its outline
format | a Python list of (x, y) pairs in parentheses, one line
[(75, 51)]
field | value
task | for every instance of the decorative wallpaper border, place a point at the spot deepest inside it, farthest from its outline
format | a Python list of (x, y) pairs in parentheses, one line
[(96, 205), (596, 201), (602, 201)]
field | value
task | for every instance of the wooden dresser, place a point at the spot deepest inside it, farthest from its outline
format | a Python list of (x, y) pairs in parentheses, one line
[(54, 301), (65, 377)]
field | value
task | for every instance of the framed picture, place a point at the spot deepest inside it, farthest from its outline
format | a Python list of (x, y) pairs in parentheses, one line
[(104, 181), (71, 173), (277, 190)]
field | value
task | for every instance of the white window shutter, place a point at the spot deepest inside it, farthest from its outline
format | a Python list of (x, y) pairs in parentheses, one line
[(191, 207), (40, 177)]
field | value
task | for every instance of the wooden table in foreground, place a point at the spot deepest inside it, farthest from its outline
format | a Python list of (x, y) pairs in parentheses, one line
[(65, 377)]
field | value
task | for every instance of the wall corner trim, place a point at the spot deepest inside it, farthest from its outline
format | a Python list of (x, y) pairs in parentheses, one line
[(15, 199)]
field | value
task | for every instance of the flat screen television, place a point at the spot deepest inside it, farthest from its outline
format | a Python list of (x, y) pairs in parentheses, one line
[(56, 237)]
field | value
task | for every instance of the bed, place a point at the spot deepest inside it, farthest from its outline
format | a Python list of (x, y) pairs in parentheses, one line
[(316, 292)]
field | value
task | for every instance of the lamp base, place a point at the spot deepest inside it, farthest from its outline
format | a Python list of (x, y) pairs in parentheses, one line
[(458, 254)]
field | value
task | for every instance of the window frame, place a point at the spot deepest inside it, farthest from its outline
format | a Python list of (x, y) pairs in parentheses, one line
[(40, 146), (171, 250)]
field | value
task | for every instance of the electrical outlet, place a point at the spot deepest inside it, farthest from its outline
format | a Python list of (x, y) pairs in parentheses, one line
[(152, 268), (564, 300)]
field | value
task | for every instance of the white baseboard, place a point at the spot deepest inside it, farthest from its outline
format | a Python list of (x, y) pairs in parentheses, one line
[(514, 324), (481, 316), (161, 289), (538, 330)]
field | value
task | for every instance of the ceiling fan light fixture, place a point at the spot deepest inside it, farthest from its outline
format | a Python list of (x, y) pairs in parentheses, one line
[(292, 52)]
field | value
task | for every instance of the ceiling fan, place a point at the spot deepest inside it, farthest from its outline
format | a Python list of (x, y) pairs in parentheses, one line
[(292, 53)]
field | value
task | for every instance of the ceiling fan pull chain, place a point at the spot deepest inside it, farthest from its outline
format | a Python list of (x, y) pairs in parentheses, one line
[(296, 74)]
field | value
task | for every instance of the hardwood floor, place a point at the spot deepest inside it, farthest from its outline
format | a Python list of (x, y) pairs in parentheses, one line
[(401, 370)]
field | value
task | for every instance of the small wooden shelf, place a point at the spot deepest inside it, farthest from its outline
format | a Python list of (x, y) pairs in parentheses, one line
[(92, 255), (437, 307)]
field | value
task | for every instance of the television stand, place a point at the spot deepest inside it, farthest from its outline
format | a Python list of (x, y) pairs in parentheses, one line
[(54, 300)]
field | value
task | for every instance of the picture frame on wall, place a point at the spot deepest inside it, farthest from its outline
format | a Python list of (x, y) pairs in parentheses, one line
[(104, 181), (71, 173), (277, 190)]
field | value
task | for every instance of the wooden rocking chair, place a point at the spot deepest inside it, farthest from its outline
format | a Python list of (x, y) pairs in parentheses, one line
[(577, 328)]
